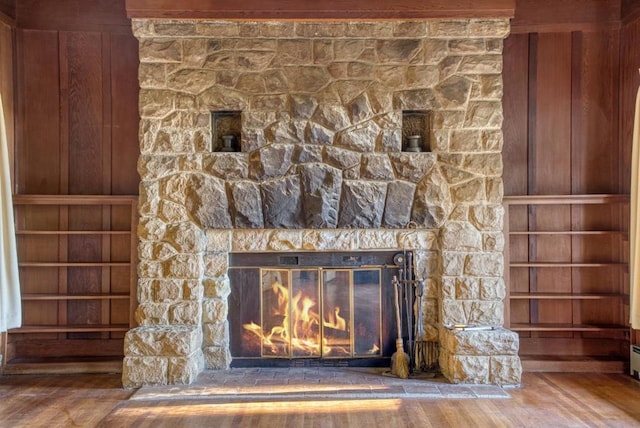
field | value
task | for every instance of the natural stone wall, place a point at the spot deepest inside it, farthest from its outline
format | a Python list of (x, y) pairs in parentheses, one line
[(321, 167)]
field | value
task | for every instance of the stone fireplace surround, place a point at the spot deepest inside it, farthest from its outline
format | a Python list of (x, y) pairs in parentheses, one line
[(321, 168)]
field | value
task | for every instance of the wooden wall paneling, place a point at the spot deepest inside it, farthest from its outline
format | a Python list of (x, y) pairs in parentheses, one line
[(83, 81), (572, 347), (124, 177), (133, 265), (594, 165), (107, 109), (550, 145), (85, 111), (594, 126), (107, 126), (38, 161), (515, 154), (105, 280), (515, 106), (54, 348), (629, 84), (63, 178), (550, 168), (77, 111), (63, 271), (531, 139), (125, 117), (37, 248)]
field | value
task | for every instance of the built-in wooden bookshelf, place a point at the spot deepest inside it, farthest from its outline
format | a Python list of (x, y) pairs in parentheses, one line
[(567, 276), (77, 264)]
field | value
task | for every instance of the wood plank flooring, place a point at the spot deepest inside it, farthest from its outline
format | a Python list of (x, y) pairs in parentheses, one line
[(544, 400)]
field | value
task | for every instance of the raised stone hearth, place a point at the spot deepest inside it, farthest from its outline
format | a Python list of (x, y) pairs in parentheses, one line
[(321, 167)]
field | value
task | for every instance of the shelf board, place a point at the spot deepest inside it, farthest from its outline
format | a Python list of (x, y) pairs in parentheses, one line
[(79, 366), (73, 264), (589, 199), (565, 296), (569, 232), (67, 200), (568, 327), (73, 232), (43, 296), (86, 328), (575, 364), (563, 265)]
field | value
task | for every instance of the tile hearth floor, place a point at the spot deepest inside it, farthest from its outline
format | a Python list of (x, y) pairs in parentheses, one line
[(243, 384)]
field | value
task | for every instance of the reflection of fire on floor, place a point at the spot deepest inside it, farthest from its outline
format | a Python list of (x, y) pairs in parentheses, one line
[(314, 383)]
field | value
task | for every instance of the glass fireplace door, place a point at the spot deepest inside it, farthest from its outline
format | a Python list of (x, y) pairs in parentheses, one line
[(316, 313)]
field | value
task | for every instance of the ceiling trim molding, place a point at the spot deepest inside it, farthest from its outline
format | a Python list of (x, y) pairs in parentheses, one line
[(320, 9)]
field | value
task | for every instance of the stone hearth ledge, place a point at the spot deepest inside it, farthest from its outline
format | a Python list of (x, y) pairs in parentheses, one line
[(480, 357), (162, 354)]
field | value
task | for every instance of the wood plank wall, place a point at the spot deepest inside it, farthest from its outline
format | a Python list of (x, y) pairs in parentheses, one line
[(77, 133), (629, 84), (561, 85), (77, 98), (570, 71), (565, 63)]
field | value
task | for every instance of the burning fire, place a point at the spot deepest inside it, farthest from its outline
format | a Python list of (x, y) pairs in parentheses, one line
[(298, 329), (336, 322), (292, 324), (298, 332)]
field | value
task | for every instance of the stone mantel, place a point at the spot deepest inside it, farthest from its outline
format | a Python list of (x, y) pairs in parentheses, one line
[(325, 9)]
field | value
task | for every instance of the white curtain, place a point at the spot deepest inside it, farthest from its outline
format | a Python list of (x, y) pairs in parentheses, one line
[(10, 308), (634, 232)]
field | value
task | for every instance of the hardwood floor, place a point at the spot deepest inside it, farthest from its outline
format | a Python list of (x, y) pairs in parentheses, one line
[(544, 400)]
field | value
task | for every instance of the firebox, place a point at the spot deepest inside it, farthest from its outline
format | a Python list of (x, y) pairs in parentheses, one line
[(301, 308)]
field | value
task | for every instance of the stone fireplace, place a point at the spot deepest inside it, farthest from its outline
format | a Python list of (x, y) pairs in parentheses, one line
[(329, 308), (320, 113)]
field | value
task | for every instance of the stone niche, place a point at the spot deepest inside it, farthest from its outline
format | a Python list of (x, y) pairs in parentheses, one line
[(320, 168)]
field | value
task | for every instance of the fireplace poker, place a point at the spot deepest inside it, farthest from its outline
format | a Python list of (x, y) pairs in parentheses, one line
[(399, 360), (420, 349), (408, 301)]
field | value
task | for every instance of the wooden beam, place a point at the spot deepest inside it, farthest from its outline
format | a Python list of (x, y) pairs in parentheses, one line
[(565, 15), (320, 9), (72, 15)]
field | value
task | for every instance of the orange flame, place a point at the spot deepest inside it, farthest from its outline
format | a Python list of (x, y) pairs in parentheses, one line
[(336, 322), (299, 329)]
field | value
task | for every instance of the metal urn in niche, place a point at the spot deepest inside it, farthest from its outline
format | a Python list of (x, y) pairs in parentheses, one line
[(414, 143), (228, 143)]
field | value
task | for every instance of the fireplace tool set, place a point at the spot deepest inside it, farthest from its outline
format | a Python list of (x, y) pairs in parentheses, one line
[(422, 354)]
